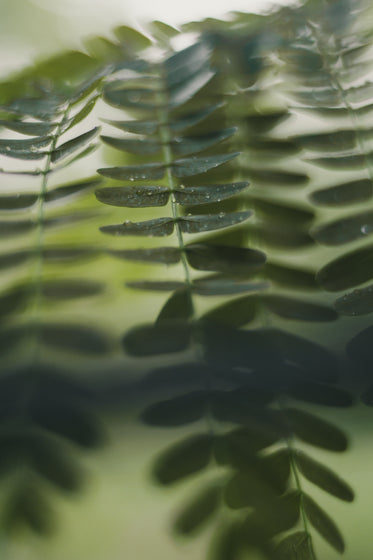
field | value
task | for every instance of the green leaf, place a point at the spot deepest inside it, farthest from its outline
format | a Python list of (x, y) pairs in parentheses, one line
[(62, 254), (72, 145), (29, 507), (162, 32), (198, 510), (191, 119), (318, 393), (71, 420), (51, 462), (29, 128), (71, 189), (74, 338), (278, 177), (345, 230), (344, 194), (183, 459), (152, 340), (132, 38), (237, 447), (157, 285), (262, 480), (16, 227), (177, 411), (345, 162), (358, 302), (8, 260), (133, 146), (43, 107), (189, 195), (135, 126), (291, 277), (195, 165), (316, 431), (187, 63), (347, 271), (134, 172), (159, 227), (319, 97), (178, 307), (190, 145), (328, 141), (207, 222), (323, 523), (17, 201), (223, 286), (134, 197), (264, 523), (163, 255), (235, 313), (285, 214), (316, 360), (323, 477), (25, 149), (82, 114), (119, 94), (297, 546), (14, 301), (220, 258), (71, 289), (291, 308)]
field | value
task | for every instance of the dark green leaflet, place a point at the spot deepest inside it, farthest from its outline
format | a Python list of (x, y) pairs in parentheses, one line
[(134, 197), (345, 193), (358, 302), (323, 523), (165, 255), (193, 195), (72, 145), (347, 271), (315, 431), (17, 202), (323, 477), (152, 340), (345, 230), (183, 459), (198, 510), (297, 546), (178, 307)]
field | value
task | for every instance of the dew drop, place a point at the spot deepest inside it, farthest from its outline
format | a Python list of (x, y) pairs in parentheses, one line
[(365, 229)]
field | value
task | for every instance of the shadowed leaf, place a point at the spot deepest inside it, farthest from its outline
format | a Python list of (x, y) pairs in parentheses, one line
[(297, 546), (316, 431), (323, 477), (347, 271), (72, 145), (195, 165), (291, 308), (177, 411), (344, 194), (183, 459), (134, 172), (159, 227), (178, 307), (220, 258), (198, 510), (323, 523), (158, 339)]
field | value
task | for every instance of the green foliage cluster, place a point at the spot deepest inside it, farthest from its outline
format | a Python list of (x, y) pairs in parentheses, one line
[(210, 146)]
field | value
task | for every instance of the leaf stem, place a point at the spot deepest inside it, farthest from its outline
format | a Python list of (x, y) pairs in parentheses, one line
[(39, 242)]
